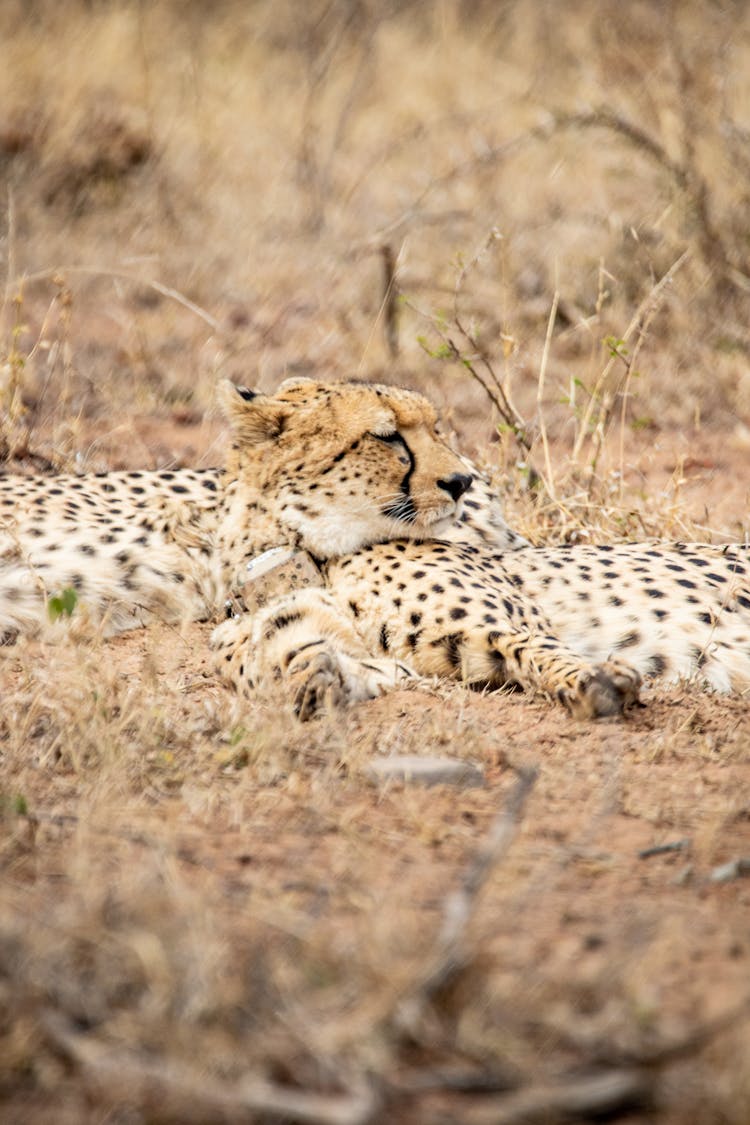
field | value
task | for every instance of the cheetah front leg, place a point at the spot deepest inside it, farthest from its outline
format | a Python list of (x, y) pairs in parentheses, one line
[(540, 662), (304, 644)]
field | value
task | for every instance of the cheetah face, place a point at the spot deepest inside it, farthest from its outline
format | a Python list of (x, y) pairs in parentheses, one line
[(346, 465)]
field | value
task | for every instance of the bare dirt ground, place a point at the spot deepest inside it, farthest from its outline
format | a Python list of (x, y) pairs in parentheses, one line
[(173, 860), (208, 912)]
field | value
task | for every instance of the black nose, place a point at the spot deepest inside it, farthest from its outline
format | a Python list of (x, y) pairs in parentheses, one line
[(456, 484)]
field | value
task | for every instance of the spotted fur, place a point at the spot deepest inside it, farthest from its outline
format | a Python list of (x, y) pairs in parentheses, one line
[(172, 545), (581, 624), (417, 572)]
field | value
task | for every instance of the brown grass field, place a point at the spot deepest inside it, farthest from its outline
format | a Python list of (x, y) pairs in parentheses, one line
[(208, 913)]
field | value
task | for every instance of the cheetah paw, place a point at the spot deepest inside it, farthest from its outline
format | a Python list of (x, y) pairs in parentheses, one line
[(331, 680), (602, 691), (323, 687)]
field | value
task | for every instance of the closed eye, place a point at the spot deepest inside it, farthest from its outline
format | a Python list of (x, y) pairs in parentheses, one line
[(395, 436), (395, 439)]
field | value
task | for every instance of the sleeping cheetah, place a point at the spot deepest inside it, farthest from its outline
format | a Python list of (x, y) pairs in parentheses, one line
[(412, 569), (164, 545), (420, 598)]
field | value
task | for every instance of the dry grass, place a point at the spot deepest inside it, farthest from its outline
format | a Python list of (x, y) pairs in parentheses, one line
[(206, 912)]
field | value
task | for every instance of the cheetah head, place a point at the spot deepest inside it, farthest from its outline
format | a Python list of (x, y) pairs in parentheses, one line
[(341, 466)]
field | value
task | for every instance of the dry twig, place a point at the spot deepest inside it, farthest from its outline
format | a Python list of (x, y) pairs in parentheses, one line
[(477, 362), (123, 275), (602, 393), (390, 299), (168, 1091), (683, 174), (549, 483), (451, 953), (577, 1098), (492, 386)]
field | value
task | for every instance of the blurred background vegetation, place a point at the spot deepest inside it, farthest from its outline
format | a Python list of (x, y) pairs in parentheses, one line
[(265, 188)]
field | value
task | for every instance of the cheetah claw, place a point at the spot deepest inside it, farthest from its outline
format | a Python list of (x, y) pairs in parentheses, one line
[(323, 689), (603, 691)]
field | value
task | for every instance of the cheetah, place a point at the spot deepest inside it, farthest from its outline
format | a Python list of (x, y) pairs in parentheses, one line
[(422, 598), (144, 546), (412, 570)]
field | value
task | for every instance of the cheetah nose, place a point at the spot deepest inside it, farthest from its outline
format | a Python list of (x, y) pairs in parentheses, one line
[(456, 484)]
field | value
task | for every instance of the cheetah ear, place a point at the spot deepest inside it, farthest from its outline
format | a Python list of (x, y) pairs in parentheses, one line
[(297, 381), (254, 417)]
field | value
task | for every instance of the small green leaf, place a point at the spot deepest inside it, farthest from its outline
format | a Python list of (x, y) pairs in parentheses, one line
[(62, 604)]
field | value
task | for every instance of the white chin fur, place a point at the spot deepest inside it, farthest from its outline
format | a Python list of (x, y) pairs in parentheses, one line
[(439, 527), (338, 535)]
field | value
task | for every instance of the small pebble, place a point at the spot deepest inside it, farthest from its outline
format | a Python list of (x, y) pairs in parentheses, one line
[(732, 870)]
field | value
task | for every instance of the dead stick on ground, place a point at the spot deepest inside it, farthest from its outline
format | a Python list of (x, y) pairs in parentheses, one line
[(450, 948), (169, 1091), (581, 1098)]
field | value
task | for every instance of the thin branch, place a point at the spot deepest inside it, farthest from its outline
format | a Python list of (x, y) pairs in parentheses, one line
[(478, 364), (639, 324), (578, 1098), (498, 394), (390, 299), (451, 953), (10, 267), (122, 275), (168, 1091), (601, 118), (489, 382), (684, 177)]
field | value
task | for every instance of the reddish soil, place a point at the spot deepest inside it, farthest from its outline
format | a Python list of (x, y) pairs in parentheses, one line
[(579, 931)]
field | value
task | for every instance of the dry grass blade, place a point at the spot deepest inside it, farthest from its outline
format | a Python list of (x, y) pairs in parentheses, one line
[(549, 482), (170, 1092), (390, 299), (638, 326)]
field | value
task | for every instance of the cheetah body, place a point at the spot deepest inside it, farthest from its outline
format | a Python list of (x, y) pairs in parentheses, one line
[(165, 545), (135, 547), (414, 575), (677, 611), (582, 624)]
